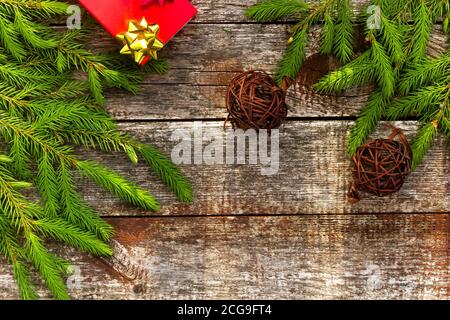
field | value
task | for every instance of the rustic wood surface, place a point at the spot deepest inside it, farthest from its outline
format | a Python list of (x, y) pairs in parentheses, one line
[(360, 256), (313, 176), (292, 235)]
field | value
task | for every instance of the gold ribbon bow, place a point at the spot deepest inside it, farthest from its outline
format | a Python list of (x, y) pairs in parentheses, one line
[(141, 40)]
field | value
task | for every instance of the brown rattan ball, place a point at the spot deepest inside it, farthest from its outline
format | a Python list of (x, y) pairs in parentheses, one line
[(381, 166), (255, 101)]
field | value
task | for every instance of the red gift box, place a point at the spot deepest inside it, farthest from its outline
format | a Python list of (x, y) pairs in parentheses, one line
[(115, 15)]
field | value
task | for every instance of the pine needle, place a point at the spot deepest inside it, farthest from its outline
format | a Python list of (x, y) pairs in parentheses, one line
[(328, 34), (358, 72), (168, 172), (343, 33), (423, 73), (290, 65), (367, 121), (423, 23), (393, 57), (51, 91), (270, 10), (116, 184), (423, 142), (383, 68), (72, 235)]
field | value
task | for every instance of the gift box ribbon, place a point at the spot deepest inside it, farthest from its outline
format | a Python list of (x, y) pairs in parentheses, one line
[(141, 40)]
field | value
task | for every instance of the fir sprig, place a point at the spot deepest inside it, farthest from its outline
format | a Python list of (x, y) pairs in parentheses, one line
[(385, 75), (423, 23), (367, 121), (116, 184), (423, 142), (343, 33), (294, 58), (356, 72), (269, 10), (408, 83), (337, 38), (46, 110)]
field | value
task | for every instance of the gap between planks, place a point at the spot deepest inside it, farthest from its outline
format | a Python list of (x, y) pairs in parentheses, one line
[(313, 178), (334, 257)]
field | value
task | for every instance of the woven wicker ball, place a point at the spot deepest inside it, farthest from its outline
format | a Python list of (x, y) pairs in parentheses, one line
[(381, 166), (255, 101)]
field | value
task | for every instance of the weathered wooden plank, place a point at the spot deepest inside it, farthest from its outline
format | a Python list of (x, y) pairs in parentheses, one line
[(220, 11), (303, 257), (313, 178), (205, 56), (195, 88), (218, 47), (203, 59), (217, 11)]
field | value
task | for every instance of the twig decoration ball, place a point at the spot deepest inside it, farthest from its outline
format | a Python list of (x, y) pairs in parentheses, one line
[(381, 166), (255, 101)]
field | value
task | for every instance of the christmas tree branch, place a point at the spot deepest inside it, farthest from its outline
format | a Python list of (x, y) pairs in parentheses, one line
[(46, 109)]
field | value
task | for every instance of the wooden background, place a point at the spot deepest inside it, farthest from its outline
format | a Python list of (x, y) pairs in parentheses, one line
[(289, 236)]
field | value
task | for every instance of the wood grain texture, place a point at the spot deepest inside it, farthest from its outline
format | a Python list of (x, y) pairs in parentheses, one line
[(293, 257), (247, 236), (313, 176), (213, 48), (233, 10), (195, 87)]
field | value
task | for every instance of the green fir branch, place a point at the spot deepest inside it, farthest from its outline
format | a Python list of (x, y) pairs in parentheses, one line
[(12, 250), (167, 171), (328, 34), (384, 70), (393, 40), (9, 38), (270, 10), (66, 232), (424, 73), (38, 8), (358, 72), (51, 89), (116, 184), (47, 266), (77, 211), (423, 24), (417, 102), (367, 121), (47, 184), (422, 142), (290, 65), (343, 33)]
